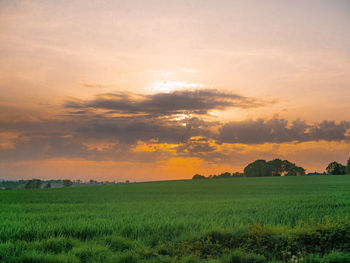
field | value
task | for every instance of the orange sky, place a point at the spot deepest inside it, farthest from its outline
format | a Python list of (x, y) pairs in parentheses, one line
[(147, 90)]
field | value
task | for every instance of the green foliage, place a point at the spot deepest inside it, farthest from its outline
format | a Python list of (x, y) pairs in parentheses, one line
[(274, 167), (335, 168), (117, 243), (277, 166), (348, 167), (67, 183), (56, 245), (93, 253), (33, 184), (223, 175), (31, 252), (127, 257), (296, 171), (180, 221), (214, 176), (190, 259), (258, 168), (9, 185), (198, 176), (291, 169), (238, 256), (336, 257), (333, 257)]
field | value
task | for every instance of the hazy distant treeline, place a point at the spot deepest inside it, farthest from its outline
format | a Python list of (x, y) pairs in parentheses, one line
[(37, 183)]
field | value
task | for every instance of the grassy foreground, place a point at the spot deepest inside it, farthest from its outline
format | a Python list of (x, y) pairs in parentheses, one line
[(277, 219)]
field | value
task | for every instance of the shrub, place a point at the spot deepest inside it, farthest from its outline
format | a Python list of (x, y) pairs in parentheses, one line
[(238, 256), (336, 257)]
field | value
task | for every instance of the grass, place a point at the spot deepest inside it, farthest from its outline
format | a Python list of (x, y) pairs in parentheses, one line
[(224, 220)]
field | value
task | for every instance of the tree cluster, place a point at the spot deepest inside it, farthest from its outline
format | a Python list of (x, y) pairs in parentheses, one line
[(260, 168), (33, 184), (67, 183), (335, 168), (274, 167), (222, 175)]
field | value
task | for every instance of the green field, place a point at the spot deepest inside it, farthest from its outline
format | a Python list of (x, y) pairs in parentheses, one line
[(225, 220)]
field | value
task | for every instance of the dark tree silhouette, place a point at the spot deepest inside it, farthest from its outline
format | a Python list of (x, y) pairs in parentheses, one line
[(67, 183), (335, 168), (237, 174), (223, 175), (258, 168), (277, 167), (348, 167), (198, 176), (33, 184), (274, 167)]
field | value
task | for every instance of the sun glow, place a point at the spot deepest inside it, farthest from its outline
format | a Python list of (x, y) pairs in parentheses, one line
[(181, 117), (168, 86)]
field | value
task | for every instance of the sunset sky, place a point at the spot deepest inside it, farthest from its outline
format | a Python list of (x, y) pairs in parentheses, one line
[(154, 90)]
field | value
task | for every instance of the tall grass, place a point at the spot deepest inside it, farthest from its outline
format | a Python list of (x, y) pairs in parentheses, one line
[(172, 221)]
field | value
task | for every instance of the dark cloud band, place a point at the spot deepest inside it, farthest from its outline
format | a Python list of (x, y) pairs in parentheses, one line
[(118, 122), (160, 104), (280, 131)]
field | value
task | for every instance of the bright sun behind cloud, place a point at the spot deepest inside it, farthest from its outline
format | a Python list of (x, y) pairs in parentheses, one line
[(168, 86)]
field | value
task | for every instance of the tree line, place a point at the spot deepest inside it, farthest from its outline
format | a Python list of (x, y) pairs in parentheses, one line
[(277, 167), (38, 184)]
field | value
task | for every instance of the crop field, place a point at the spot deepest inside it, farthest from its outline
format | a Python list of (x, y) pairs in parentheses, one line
[(275, 219)]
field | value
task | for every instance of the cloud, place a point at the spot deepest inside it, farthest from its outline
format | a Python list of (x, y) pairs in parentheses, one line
[(161, 104), (46, 147), (281, 130), (196, 146), (129, 130), (110, 126), (94, 136)]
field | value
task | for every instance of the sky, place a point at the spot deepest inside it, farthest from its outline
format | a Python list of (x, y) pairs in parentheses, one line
[(159, 90)]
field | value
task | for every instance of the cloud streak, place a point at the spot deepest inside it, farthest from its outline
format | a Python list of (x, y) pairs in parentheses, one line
[(160, 104)]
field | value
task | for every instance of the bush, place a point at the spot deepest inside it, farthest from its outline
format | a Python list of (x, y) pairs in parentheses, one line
[(336, 257), (266, 242), (238, 256)]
